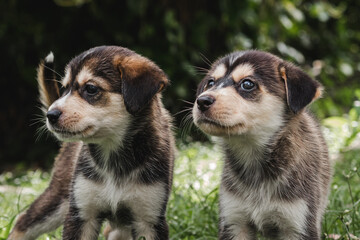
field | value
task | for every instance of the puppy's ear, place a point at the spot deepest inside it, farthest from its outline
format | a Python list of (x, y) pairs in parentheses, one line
[(141, 81), (48, 86), (300, 88)]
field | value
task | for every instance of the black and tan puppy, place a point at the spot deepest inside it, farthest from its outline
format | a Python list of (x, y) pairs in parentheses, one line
[(276, 173), (117, 160)]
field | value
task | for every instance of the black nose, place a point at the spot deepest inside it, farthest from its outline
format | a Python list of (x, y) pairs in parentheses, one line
[(53, 115), (205, 102)]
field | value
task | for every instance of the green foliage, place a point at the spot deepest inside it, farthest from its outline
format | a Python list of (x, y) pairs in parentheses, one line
[(182, 37), (193, 206), (345, 129), (342, 218)]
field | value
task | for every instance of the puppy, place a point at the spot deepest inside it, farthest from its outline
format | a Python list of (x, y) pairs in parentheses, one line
[(116, 161), (276, 173)]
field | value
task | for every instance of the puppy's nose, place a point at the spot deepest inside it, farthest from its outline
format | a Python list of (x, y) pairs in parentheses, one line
[(53, 115), (205, 102)]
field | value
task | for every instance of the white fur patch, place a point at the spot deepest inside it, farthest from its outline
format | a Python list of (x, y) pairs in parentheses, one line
[(49, 58), (120, 234), (257, 206), (219, 71), (66, 80), (60, 103), (144, 201)]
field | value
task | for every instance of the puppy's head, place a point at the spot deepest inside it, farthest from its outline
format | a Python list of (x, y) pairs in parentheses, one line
[(251, 92), (103, 89)]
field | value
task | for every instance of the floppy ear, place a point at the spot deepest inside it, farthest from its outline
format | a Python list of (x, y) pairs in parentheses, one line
[(48, 87), (300, 88), (141, 81)]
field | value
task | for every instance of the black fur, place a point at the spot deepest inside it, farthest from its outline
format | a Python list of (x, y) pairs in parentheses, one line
[(143, 155), (139, 91), (286, 164), (301, 88)]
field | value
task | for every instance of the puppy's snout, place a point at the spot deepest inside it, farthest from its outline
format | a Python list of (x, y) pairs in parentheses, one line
[(205, 102), (53, 115)]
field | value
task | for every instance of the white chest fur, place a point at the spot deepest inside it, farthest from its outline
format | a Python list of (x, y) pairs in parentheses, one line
[(260, 208), (143, 201)]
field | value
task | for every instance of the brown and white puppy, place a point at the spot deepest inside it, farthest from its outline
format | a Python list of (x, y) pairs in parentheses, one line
[(116, 161), (276, 173)]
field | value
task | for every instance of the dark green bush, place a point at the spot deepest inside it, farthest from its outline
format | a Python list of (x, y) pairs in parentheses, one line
[(181, 36)]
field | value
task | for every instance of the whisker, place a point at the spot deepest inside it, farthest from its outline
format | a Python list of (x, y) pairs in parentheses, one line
[(184, 110), (191, 103), (40, 132), (201, 71), (37, 120), (205, 59), (42, 109), (37, 117), (55, 80), (52, 70), (186, 125), (201, 68)]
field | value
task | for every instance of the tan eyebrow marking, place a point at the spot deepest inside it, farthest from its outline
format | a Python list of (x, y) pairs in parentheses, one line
[(66, 80), (242, 71), (86, 76), (83, 76), (219, 71)]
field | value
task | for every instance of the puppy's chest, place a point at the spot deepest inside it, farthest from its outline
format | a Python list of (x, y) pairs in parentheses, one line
[(248, 199), (120, 201), (263, 208)]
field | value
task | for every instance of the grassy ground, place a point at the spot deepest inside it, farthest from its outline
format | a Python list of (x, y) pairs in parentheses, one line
[(193, 206)]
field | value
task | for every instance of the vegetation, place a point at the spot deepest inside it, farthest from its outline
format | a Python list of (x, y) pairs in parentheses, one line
[(183, 37)]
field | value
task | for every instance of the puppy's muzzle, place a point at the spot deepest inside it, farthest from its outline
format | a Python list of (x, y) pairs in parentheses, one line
[(53, 115), (205, 102)]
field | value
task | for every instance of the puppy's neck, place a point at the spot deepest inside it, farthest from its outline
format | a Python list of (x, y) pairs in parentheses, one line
[(251, 146), (245, 148), (121, 148)]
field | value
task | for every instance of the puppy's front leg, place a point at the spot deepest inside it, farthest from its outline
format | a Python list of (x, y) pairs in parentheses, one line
[(162, 229), (150, 231), (76, 227), (244, 235), (236, 231)]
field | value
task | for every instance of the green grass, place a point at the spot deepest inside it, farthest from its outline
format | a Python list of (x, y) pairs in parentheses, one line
[(193, 206), (342, 216)]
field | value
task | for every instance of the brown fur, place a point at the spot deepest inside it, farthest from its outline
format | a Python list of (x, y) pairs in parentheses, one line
[(49, 90), (117, 161), (276, 173)]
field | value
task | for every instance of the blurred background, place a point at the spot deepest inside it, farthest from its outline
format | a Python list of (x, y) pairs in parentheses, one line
[(181, 37)]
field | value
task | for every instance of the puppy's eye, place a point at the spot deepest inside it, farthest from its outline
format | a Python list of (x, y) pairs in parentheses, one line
[(210, 83), (91, 89), (247, 85)]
